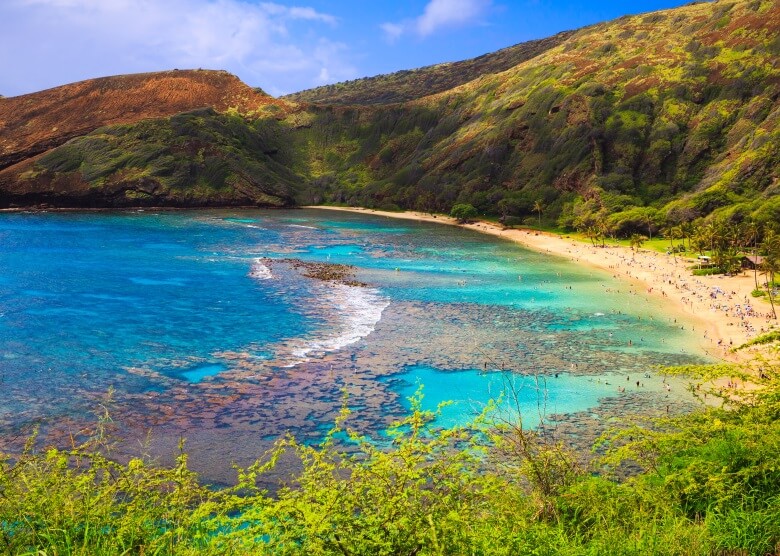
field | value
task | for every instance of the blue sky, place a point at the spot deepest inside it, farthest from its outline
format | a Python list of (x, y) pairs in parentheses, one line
[(281, 46)]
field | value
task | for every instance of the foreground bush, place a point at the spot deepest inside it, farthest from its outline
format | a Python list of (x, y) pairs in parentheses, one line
[(710, 484)]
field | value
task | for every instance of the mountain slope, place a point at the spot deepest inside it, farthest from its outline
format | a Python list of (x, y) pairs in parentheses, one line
[(37, 123), (661, 117), (34, 123), (634, 124), (407, 85)]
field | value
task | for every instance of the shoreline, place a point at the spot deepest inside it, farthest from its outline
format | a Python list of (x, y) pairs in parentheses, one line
[(716, 303), (654, 275)]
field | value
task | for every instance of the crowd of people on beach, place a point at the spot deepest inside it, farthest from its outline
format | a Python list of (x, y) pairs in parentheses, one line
[(667, 276)]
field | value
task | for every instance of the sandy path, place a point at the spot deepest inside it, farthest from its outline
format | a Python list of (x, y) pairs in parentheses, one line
[(717, 302)]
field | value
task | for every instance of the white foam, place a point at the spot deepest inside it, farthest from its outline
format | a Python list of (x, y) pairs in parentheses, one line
[(260, 271), (356, 311), (302, 226)]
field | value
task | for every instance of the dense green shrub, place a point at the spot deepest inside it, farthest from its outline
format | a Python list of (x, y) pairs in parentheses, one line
[(463, 212), (707, 482)]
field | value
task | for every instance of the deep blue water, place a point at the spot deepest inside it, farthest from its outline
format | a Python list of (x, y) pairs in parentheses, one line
[(179, 310), (96, 292)]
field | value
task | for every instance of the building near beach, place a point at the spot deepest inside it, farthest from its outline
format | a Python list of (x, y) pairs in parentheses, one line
[(752, 262)]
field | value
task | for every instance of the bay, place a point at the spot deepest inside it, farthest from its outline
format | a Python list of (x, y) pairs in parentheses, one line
[(202, 326)]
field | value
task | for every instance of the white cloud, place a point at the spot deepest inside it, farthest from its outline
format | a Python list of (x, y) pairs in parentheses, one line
[(327, 54), (393, 31), (437, 15), (311, 13), (449, 13), (297, 12), (280, 48)]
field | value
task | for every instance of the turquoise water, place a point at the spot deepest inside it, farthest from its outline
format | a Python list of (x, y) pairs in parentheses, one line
[(199, 335), (204, 371), (459, 397)]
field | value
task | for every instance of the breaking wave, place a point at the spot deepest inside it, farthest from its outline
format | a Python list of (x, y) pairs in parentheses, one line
[(355, 313), (260, 271)]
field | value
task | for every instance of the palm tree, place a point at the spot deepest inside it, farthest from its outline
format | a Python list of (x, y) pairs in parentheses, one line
[(675, 232), (771, 264), (699, 239), (712, 233), (725, 245), (636, 242), (592, 233), (605, 229), (649, 222), (687, 229), (538, 208), (752, 231)]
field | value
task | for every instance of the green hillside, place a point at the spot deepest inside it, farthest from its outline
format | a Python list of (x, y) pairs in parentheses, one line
[(190, 159), (635, 124), (667, 116)]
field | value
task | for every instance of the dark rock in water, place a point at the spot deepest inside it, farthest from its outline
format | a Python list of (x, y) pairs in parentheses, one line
[(326, 272)]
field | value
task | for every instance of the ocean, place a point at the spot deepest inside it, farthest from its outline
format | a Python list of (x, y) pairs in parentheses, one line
[(204, 325)]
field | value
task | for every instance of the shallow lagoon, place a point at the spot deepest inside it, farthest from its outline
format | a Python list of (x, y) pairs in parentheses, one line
[(178, 313), (459, 397)]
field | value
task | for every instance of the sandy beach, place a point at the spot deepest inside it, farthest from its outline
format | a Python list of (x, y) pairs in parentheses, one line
[(721, 306)]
